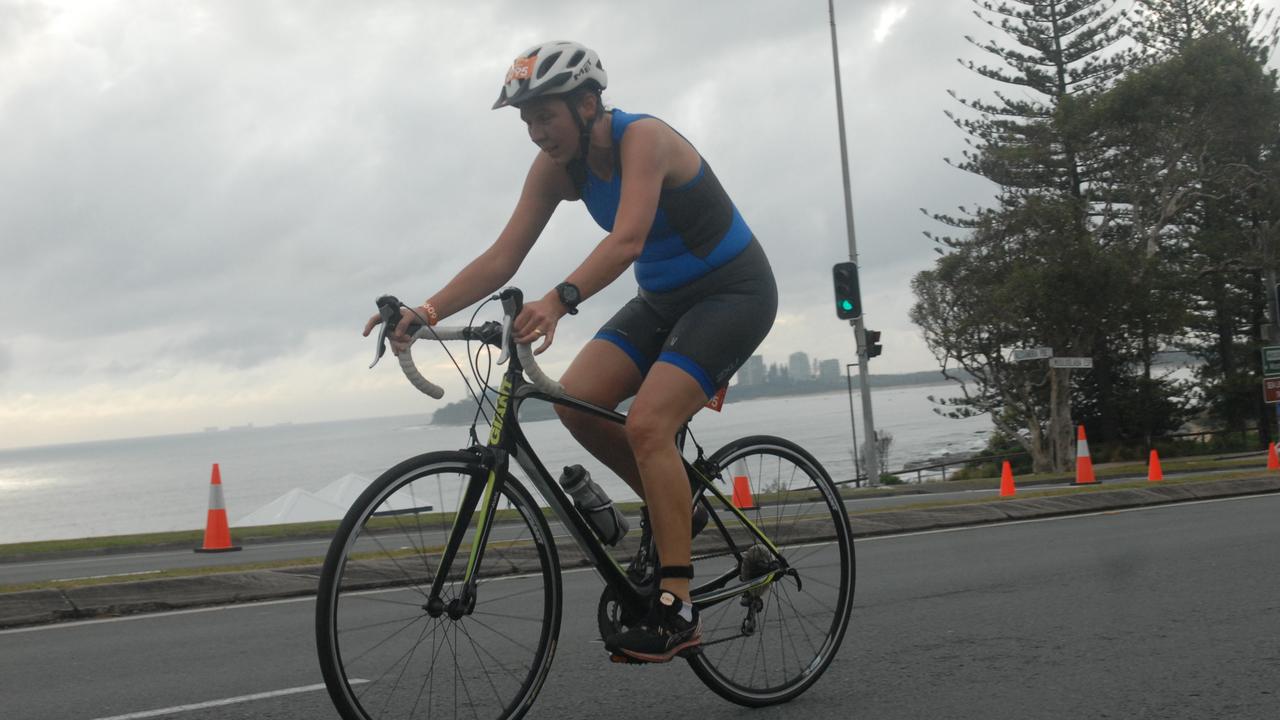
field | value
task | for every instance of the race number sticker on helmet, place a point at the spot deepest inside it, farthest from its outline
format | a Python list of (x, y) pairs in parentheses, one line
[(522, 68)]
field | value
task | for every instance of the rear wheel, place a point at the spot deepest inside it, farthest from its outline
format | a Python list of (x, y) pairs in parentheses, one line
[(769, 644), (387, 651)]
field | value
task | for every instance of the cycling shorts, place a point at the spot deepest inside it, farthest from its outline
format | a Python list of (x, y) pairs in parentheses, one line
[(708, 328)]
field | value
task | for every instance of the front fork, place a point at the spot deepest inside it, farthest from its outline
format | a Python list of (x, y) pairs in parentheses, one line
[(481, 495)]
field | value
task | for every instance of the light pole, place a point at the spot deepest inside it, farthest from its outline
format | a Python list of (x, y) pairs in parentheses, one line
[(873, 462), (853, 423)]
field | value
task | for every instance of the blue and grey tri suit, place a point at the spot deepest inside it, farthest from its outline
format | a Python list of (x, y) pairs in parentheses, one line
[(707, 295)]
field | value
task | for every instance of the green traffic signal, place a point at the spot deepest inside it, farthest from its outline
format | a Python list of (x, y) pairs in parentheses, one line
[(848, 299)]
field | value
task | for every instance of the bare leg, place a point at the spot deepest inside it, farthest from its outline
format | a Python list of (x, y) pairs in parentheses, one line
[(604, 375), (667, 398)]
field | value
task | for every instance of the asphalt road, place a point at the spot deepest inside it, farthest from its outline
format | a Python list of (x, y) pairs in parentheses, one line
[(143, 563), (1166, 612)]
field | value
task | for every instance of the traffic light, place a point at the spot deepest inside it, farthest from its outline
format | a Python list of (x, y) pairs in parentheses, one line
[(848, 300), (871, 341)]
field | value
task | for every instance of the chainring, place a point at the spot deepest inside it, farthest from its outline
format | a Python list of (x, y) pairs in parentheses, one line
[(613, 616)]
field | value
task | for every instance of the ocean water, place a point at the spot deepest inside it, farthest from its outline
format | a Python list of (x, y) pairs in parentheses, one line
[(161, 483)]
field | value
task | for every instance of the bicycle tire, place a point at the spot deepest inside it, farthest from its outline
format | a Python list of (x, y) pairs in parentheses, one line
[(373, 627), (800, 621)]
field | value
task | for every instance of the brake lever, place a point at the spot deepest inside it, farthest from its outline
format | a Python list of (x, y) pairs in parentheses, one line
[(389, 309), (512, 301), (505, 355)]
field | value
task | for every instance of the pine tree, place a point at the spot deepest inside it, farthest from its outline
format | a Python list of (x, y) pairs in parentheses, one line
[(1060, 54), (1164, 27), (1033, 144)]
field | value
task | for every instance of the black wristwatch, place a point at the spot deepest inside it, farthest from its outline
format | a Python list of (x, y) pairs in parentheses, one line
[(570, 296)]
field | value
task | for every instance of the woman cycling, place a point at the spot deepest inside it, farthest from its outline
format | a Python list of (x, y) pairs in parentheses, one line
[(706, 299)]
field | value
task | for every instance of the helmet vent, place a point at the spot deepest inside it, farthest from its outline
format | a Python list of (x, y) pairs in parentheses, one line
[(547, 64), (577, 58)]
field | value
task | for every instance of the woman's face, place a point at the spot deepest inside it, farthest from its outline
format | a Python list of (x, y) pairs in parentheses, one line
[(552, 128)]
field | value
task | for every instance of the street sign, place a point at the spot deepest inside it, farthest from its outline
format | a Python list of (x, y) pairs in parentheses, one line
[(1071, 362), (1271, 360), (1271, 390), (1032, 354)]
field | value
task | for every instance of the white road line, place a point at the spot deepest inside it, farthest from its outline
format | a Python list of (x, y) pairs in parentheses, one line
[(112, 575), (220, 703), (159, 615)]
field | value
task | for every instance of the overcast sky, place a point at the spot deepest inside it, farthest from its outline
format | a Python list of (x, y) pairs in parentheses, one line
[(201, 199)]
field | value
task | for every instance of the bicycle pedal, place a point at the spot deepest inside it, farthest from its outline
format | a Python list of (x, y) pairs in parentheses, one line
[(625, 660)]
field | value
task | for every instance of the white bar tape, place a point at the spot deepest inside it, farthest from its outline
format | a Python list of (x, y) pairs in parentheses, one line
[(411, 370), (415, 377), (536, 376)]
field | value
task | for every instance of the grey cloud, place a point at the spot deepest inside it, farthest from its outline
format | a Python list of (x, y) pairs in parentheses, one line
[(240, 176), (19, 21)]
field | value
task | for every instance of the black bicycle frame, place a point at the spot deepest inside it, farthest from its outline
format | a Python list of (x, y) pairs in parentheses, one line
[(507, 440)]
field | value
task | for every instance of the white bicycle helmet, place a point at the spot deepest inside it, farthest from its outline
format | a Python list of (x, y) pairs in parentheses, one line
[(550, 68)]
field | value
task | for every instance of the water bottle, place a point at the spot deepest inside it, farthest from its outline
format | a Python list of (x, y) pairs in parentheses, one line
[(609, 524)]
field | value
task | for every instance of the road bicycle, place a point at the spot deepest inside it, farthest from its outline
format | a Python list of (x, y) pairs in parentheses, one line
[(441, 594)]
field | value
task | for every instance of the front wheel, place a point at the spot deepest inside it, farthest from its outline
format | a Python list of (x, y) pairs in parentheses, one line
[(769, 644), (388, 650)]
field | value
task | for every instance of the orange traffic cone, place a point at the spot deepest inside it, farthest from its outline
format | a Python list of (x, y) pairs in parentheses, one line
[(217, 535), (1273, 462), (742, 493), (1084, 463), (1154, 473), (1006, 481)]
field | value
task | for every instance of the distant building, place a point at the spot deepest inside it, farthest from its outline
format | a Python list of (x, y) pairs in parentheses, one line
[(798, 366), (752, 372), (829, 370)]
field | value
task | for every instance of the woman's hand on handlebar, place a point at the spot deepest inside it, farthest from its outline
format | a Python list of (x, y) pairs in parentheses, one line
[(538, 319), (398, 337)]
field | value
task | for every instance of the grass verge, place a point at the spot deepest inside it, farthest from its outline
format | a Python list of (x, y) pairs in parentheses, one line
[(325, 529)]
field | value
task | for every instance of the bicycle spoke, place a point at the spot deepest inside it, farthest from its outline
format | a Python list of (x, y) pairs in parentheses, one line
[(505, 616), (759, 657), (394, 621), (487, 675), (395, 561), (405, 603), (413, 649), (481, 658), (388, 638)]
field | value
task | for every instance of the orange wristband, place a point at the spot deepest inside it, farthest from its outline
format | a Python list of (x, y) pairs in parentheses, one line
[(433, 317)]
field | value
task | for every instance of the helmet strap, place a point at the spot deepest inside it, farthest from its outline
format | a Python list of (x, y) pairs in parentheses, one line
[(584, 127)]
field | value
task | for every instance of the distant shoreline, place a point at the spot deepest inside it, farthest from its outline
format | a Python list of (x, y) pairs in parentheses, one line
[(463, 412)]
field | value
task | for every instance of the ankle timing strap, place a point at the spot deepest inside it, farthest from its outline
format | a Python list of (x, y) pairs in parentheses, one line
[(676, 571)]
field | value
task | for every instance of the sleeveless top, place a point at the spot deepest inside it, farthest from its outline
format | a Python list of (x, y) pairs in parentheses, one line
[(695, 230)]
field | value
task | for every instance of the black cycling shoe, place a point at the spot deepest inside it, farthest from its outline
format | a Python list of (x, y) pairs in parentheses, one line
[(640, 569), (662, 636)]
